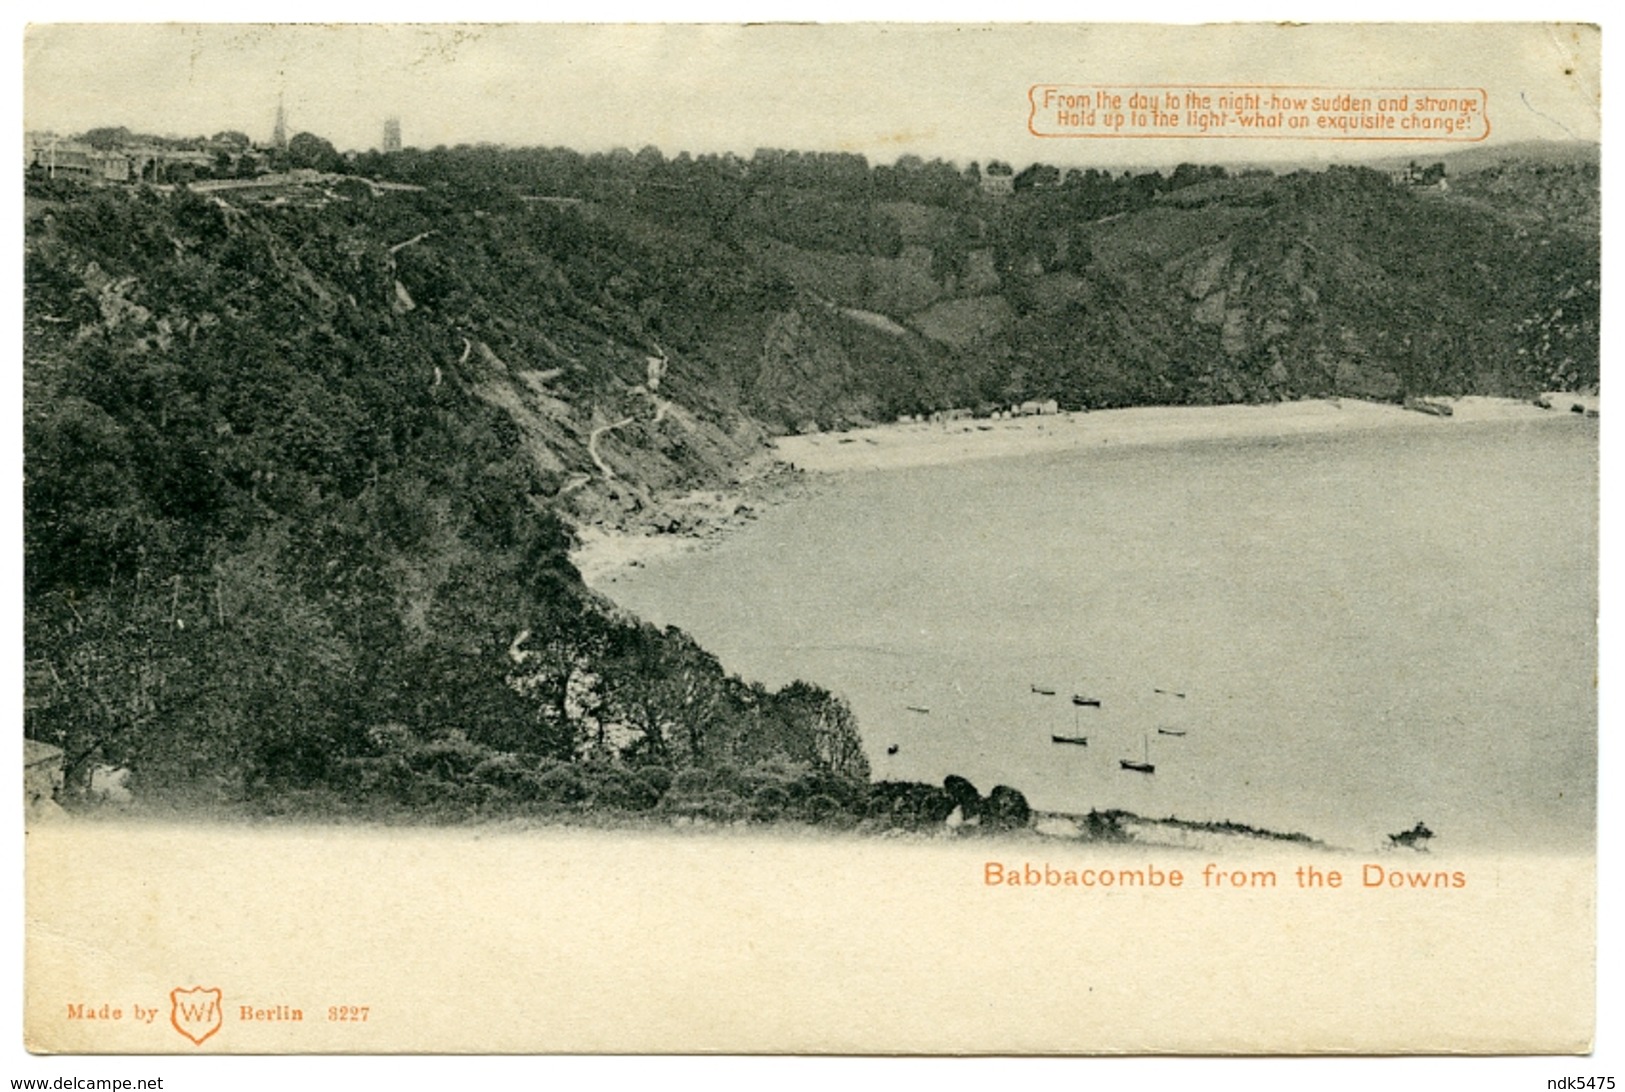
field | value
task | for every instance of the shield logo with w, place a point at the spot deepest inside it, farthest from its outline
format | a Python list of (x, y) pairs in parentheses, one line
[(195, 1013)]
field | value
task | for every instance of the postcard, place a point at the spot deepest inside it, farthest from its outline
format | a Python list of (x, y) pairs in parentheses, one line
[(870, 538)]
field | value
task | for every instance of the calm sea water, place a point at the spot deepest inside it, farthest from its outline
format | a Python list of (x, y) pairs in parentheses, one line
[(1368, 630)]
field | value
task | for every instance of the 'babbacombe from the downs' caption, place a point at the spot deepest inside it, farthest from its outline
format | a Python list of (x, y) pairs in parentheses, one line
[(1307, 877)]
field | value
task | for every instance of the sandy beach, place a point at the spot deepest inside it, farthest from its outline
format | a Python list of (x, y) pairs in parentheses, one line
[(604, 552), (896, 447)]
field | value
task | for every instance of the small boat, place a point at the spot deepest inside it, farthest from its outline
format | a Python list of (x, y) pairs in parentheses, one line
[(1144, 766), (1081, 741), (917, 709), (1079, 699), (1170, 693), (1046, 691), (892, 749), (1171, 731)]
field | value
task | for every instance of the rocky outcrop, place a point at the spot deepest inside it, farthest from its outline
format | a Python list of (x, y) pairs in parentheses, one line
[(1006, 809)]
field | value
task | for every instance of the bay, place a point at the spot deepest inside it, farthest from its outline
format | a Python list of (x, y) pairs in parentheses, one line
[(1369, 629)]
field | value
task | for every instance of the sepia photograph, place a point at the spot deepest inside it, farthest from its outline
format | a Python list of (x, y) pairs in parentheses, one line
[(866, 538)]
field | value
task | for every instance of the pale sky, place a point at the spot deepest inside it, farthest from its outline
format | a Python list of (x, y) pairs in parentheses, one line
[(880, 89)]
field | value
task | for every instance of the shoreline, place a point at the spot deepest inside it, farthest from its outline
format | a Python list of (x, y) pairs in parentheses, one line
[(908, 446), (1118, 831), (687, 522), (791, 466)]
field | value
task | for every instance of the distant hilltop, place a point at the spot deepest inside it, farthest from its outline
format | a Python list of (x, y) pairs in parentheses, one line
[(115, 154)]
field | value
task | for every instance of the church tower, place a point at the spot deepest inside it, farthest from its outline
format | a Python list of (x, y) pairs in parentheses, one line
[(392, 135), (279, 135)]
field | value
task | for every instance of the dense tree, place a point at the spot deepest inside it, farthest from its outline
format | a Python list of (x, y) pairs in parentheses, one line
[(107, 137), (668, 693), (309, 150)]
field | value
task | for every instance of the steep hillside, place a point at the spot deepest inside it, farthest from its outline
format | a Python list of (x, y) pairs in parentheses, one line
[(1338, 283), (294, 484)]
